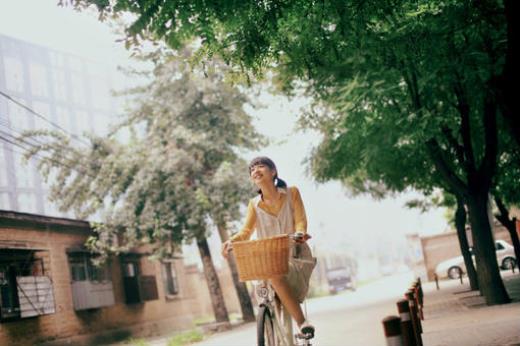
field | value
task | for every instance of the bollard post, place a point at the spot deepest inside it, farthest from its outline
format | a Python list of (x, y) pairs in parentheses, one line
[(407, 331), (414, 317), (436, 281), (421, 293), (392, 327), (418, 301), (460, 276)]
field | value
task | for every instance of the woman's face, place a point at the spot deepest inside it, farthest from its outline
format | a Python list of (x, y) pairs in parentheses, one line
[(262, 174)]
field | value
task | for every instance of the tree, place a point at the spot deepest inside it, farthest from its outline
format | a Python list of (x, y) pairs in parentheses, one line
[(506, 193), (226, 195), (305, 39), (427, 70), (159, 189), (457, 214), (460, 225)]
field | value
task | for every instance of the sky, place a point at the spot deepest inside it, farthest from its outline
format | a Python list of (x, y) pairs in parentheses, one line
[(337, 221)]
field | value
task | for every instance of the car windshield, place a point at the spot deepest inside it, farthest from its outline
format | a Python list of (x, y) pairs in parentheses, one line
[(338, 273)]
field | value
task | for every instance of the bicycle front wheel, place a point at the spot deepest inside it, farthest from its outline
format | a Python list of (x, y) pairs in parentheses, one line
[(265, 327)]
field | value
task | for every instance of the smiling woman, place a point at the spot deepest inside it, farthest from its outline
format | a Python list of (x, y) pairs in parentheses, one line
[(278, 209)]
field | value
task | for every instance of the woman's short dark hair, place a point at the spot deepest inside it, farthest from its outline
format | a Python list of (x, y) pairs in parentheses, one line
[(264, 160)]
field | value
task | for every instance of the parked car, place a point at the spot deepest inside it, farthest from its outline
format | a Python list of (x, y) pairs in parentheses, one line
[(340, 279), (453, 267)]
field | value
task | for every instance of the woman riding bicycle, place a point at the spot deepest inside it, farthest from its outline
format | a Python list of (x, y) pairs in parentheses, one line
[(279, 209)]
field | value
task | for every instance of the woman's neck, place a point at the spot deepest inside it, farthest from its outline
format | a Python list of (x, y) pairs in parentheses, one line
[(269, 192)]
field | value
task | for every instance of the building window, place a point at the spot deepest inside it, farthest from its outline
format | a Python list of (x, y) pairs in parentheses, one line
[(19, 118), (25, 288), (4, 200), (13, 74), (83, 122), (27, 202), (45, 110), (101, 92), (24, 178), (83, 269), (91, 285), (57, 59), (59, 82), (3, 168), (63, 116), (138, 288), (171, 286), (131, 281), (78, 89), (38, 76)]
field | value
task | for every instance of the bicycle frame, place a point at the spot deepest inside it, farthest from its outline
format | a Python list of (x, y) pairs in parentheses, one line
[(282, 323), (282, 333)]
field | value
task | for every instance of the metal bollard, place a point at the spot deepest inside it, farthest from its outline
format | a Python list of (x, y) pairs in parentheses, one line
[(418, 301), (421, 293), (392, 327), (406, 323), (436, 281), (416, 322)]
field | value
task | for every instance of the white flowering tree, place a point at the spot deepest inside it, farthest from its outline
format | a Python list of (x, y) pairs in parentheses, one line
[(178, 173)]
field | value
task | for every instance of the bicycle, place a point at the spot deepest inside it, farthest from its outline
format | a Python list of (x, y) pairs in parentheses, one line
[(273, 327)]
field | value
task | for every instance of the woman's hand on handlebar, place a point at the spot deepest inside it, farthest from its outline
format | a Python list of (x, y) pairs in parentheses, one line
[(300, 237), (226, 247)]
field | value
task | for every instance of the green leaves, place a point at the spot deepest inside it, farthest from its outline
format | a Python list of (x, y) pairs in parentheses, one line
[(399, 85)]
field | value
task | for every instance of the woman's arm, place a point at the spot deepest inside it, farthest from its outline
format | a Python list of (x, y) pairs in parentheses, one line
[(300, 218), (249, 226)]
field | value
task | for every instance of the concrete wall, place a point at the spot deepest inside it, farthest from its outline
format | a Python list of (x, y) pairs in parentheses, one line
[(198, 289)]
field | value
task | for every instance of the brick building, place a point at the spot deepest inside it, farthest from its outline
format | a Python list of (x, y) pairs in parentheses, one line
[(440, 247), (50, 291)]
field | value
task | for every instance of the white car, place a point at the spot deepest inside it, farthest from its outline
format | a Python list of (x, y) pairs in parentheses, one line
[(451, 268)]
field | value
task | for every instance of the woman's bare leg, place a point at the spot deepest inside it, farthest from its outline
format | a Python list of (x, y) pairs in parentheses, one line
[(283, 290)]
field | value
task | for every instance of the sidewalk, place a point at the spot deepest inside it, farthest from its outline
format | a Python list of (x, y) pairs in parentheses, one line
[(454, 315)]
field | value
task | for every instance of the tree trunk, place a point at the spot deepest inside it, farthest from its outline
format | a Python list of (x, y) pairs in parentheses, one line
[(508, 80), (489, 279), (460, 225), (215, 291), (510, 225), (246, 306)]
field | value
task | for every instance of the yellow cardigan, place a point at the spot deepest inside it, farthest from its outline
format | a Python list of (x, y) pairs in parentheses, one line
[(300, 219)]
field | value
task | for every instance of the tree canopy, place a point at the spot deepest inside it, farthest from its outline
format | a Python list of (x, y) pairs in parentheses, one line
[(404, 84)]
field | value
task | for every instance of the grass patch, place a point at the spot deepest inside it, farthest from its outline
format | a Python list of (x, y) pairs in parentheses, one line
[(137, 342), (235, 317), (204, 320), (186, 338)]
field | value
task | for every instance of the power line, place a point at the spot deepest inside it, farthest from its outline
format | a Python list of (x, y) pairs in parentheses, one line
[(6, 125), (14, 142), (30, 110), (45, 189)]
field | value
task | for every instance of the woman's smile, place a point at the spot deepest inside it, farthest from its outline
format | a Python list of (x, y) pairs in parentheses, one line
[(258, 172)]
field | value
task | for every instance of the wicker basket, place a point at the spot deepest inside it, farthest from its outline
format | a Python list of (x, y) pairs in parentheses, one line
[(262, 259)]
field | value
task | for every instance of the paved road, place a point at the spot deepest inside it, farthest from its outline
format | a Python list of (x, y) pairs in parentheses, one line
[(349, 318)]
